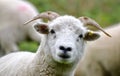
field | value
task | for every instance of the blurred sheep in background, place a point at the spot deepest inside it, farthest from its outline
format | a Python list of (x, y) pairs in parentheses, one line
[(13, 14), (102, 57)]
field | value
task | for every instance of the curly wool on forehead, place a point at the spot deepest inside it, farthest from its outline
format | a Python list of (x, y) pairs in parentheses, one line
[(66, 21)]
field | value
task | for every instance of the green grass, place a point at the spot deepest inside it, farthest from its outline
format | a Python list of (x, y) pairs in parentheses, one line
[(28, 46)]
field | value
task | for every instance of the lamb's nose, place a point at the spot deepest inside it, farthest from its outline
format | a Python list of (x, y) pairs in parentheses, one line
[(65, 49)]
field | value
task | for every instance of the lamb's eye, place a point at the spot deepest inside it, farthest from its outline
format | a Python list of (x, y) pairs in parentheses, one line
[(52, 31), (80, 36)]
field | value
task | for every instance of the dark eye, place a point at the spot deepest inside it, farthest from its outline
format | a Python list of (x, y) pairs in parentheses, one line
[(52, 31), (80, 36)]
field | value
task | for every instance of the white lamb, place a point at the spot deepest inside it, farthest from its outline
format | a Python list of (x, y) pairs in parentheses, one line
[(62, 46), (13, 14), (102, 57)]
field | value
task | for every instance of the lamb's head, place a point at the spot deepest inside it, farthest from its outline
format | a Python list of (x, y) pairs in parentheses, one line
[(66, 37)]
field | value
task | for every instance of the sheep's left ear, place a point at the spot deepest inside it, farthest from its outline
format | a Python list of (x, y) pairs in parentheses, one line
[(41, 28), (90, 36)]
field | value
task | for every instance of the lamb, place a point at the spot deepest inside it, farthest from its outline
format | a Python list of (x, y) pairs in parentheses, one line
[(13, 14), (102, 57), (62, 45)]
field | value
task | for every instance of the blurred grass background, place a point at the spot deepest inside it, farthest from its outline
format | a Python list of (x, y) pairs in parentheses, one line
[(105, 12)]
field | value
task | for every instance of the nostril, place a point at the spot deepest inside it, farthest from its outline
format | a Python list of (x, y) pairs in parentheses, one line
[(61, 48), (65, 49), (69, 49)]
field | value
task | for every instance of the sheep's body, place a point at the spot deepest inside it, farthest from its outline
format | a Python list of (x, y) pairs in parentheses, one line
[(58, 55), (20, 61), (102, 57), (23, 64), (13, 14)]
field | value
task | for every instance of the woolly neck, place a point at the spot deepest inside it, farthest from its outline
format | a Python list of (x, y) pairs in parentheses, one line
[(44, 65)]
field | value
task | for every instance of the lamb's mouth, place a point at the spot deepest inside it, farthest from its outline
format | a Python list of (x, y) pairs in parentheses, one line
[(64, 56)]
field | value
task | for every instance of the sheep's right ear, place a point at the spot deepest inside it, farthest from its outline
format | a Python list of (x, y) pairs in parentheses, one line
[(90, 36), (41, 28)]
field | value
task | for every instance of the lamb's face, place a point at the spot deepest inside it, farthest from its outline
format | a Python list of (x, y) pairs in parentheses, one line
[(65, 38)]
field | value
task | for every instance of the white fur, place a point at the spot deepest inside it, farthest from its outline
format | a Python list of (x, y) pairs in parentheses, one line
[(47, 60), (102, 57), (13, 14)]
